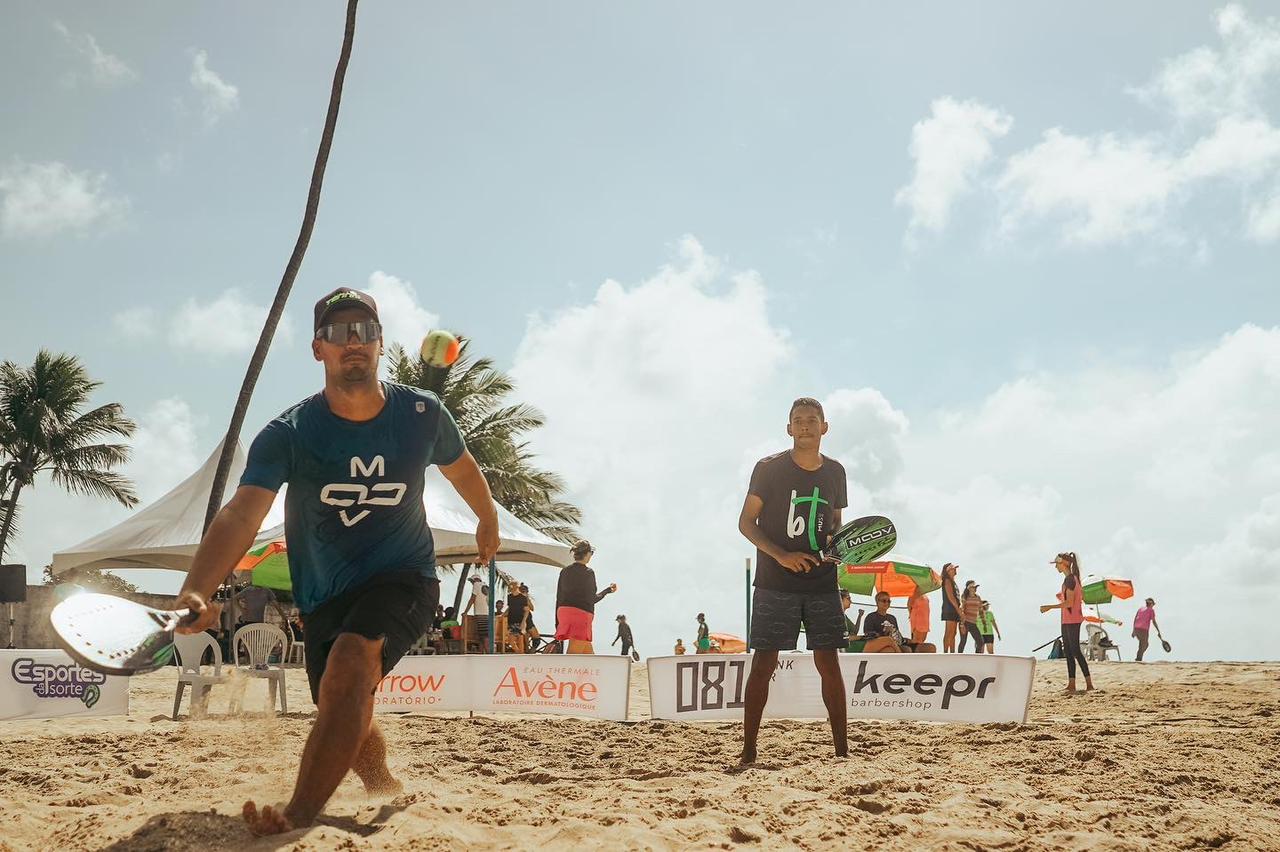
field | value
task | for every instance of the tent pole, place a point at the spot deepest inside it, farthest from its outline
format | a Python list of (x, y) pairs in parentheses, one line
[(493, 593)]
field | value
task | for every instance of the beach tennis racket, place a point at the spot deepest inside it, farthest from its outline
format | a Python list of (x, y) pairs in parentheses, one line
[(114, 635), (862, 540)]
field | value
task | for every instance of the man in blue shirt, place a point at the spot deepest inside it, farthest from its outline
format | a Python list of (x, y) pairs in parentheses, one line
[(361, 556)]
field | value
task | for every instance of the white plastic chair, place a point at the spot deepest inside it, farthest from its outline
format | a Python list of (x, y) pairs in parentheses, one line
[(191, 648), (297, 653), (1099, 643), (258, 641)]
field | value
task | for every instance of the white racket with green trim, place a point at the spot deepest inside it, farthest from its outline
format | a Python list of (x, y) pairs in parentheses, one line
[(114, 635)]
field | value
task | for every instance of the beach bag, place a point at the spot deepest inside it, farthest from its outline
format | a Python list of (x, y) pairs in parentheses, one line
[(1055, 653)]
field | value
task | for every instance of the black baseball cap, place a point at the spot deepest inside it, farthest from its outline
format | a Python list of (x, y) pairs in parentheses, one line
[(343, 297)]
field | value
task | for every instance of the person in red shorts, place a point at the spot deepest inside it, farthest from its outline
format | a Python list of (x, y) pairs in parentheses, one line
[(576, 599)]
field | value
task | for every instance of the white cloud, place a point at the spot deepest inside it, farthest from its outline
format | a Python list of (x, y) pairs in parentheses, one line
[(1264, 219), (218, 97), (137, 323), (660, 396), (949, 149), (228, 323), (1209, 83), (44, 198), (403, 319), (1110, 187), (164, 448), (1101, 188), (105, 69)]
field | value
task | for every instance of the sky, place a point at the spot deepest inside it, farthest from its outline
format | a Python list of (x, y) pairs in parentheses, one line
[(1025, 256)]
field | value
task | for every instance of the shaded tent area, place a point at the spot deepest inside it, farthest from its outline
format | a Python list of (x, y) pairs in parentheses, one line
[(166, 533)]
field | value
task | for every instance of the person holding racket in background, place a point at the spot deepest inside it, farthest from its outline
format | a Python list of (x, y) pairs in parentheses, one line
[(1071, 603), (792, 507), (361, 556)]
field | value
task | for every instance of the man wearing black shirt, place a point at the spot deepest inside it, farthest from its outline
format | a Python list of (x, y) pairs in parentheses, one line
[(793, 506), (880, 629), (576, 599), (517, 609)]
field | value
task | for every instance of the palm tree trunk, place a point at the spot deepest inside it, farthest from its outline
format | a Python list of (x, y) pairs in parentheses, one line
[(462, 584), (290, 273), (10, 505)]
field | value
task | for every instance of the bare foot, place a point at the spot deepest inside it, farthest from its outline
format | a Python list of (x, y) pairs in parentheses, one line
[(270, 821), (748, 757)]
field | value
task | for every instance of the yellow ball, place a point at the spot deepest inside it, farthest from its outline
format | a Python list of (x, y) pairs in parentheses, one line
[(440, 349)]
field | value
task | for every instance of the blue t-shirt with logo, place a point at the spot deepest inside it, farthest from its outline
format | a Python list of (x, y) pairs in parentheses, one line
[(354, 506)]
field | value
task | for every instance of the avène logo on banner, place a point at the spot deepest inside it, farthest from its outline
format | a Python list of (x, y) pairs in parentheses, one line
[(411, 690), (566, 686)]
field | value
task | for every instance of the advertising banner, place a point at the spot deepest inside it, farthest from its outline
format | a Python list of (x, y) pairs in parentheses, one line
[(48, 684), (564, 685), (923, 687)]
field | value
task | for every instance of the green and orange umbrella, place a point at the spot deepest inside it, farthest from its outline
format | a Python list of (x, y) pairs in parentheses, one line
[(268, 566), (899, 579)]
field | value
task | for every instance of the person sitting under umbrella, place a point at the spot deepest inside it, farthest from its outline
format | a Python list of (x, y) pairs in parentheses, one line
[(882, 635)]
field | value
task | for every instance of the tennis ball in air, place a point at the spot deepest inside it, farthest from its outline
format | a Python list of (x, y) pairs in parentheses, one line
[(440, 349)]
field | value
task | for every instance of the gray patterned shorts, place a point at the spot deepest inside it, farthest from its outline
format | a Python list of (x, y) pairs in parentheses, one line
[(776, 618)]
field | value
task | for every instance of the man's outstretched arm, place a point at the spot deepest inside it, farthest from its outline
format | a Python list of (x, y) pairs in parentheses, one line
[(468, 480), (226, 541)]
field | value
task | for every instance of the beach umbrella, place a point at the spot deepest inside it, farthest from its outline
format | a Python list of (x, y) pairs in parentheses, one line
[(729, 644), (899, 579), (1104, 590), (268, 566)]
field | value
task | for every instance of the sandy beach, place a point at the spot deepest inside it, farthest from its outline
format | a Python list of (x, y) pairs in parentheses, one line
[(1165, 756)]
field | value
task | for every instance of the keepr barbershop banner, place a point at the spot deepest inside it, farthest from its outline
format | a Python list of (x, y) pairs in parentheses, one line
[(565, 685), (48, 684), (923, 687)]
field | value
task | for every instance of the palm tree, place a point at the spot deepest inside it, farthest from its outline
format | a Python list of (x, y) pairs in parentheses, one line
[(474, 392), (42, 429), (286, 281)]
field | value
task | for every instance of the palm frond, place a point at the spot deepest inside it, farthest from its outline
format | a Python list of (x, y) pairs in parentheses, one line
[(97, 483)]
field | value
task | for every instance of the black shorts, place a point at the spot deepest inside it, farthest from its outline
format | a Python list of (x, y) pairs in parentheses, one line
[(397, 606), (776, 618), (989, 638)]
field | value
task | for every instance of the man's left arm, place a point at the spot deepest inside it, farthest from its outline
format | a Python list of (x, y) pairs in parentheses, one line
[(467, 479)]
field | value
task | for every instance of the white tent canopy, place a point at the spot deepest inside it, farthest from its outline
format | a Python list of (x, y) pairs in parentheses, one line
[(166, 533)]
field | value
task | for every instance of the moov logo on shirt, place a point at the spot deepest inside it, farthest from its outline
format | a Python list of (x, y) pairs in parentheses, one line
[(348, 494), (796, 525)]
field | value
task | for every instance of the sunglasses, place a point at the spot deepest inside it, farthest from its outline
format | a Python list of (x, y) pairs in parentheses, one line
[(366, 331)]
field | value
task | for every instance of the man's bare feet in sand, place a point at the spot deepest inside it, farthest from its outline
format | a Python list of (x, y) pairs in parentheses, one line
[(270, 821), (748, 757)]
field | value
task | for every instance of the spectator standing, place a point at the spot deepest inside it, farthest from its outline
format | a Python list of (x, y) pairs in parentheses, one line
[(950, 608), (989, 629), (1142, 621), (624, 634), (970, 607), (576, 599), (1071, 605), (254, 600), (918, 616), (702, 644)]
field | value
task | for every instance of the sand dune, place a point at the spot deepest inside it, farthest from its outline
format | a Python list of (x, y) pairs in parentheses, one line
[(1169, 756)]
